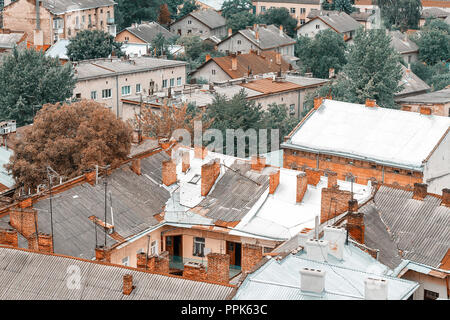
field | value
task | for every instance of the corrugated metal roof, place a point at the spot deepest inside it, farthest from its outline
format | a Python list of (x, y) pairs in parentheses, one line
[(394, 137), (209, 17), (411, 83), (344, 279), (148, 31), (61, 6), (29, 275), (268, 86), (420, 229)]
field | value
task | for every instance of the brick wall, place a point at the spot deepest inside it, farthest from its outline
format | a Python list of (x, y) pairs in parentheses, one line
[(185, 161), (258, 163), (200, 152), (102, 254), (218, 267), (195, 272), (24, 220), (333, 202), (302, 185), (210, 172), (169, 172), (8, 237), (159, 264), (355, 226), (274, 181), (43, 243), (251, 255), (312, 175)]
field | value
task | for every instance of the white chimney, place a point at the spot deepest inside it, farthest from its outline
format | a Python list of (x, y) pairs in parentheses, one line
[(375, 289), (304, 235), (312, 280), (316, 250), (336, 241)]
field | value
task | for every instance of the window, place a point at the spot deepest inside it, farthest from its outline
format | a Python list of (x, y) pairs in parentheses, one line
[(263, 8), (302, 21), (292, 109), (138, 88), (409, 59), (239, 42), (126, 90), (169, 241), (199, 247), (106, 93), (179, 81), (94, 95), (189, 21), (430, 295), (302, 10), (189, 31), (292, 10), (172, 82), (125, 261), (317, 26), (154, 248), (78, 95), (164, 84), (213, 71)]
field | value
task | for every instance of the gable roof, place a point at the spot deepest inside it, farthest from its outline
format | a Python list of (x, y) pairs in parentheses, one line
[(258, 64), (26, 275), (386, 136), (411, 83), (210, 18), (441, 96), (148, 31), (401, 42), (434, 13), (62, 6), (58, 49), (339, 21), (269, 37), (395, 221), (266, 86)]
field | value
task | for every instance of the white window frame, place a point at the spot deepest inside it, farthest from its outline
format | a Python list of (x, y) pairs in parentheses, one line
[(154, 248), (138, 88), (198, 249), (93, 95), (126, 261), (104, 96), (127, 93)]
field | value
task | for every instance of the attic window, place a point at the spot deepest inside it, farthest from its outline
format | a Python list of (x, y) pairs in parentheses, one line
[(195, 179)]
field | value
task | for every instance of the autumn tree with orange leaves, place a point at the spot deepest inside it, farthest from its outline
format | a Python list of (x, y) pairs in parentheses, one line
[(164, 15), (69, 139)]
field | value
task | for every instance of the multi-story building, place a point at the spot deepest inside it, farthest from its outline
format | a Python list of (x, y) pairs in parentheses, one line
[(203, 23), (110, 80), (299, 9), (58, 19)]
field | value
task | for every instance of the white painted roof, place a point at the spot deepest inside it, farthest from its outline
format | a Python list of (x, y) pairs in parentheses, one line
[(395, 137)]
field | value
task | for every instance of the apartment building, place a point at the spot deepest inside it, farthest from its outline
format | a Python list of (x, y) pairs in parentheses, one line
[(109, 80), (299, 9), (58, 19)]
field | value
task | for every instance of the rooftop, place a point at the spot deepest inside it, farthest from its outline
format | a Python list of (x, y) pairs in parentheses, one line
[(58, 50), (209, 17), (434, 13), (401, 42), (395, 222), (344, 279), (385, 136), (294, 1), (215, 4), (339, 21), (269, 37), (441, 96), (411, 83), (9, 40), (147, 31), (29, 275)]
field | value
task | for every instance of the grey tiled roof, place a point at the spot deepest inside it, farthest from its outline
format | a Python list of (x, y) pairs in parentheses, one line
[(441, 96), (148, 31), (62, 6), (401, 42), (395, 221), (211, 18), (28, 275), (269, 37), (411, 83), (434, 13), (341, 21)]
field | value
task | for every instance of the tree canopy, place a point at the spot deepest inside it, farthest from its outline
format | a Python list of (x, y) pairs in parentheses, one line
[(338, 5), (69, 139), (92, 44), (231, 7), (240, 20), (164, 15), (434, 45), (28, 79), (188, 7), (317, 55), (279, 16), (127, 12), (400, 14)]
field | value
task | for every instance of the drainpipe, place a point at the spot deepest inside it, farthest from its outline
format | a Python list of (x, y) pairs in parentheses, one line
[(382, 174), (117, 95), (38, 22)]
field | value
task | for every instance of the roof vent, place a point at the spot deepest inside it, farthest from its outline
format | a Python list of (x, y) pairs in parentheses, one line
[(312, 280), (375, 289), (316, 250)]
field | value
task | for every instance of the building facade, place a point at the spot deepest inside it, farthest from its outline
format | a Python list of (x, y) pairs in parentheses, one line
[(299, 9)]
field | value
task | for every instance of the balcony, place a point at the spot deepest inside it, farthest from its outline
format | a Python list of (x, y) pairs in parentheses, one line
[(112, 30), (176, 265), (109, 20)]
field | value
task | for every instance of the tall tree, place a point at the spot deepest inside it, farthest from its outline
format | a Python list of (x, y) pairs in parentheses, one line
[(70, 139), (279, 16), (188, 7), (434, 46), (28, 79), (127, 12), (160, 44), (164, 15), (326, 50), (231, 7), (92, 44), (240, 20), (343, 5), (400, 14)]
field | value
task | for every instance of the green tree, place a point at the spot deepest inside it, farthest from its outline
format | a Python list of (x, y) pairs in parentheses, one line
[(436, 76), (28, 80), (343, 5), (326, 50), (440, 81), (436, 24), (92, 44), (434, 46), (400, 14), (127, 12), (279, 16), (188, 7), (160, 44), (277, 117), (231, 7), (240, 20)]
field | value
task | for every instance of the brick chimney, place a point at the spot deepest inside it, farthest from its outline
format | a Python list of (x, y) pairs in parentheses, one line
[(251, 255), (26, 203), (154, 263), (218, 267), (370, 103), (43, 243), (332, 179), (230, 32), (127, 284), (136, 166), (302, 185), (200, 152), (281, 30), (317, 102), (313, 176), (257, 35), (169, 172), (278, 58), (102, 254), (233, 61), (194, 271), (91, 177), (207, 57), (445, 197), (274, 181), (333, 203), (185, 161), (355, 226), (210, 172), (425, 111), (258, 163), (24, 220), (352, 206), (420, 191), (8, 237)]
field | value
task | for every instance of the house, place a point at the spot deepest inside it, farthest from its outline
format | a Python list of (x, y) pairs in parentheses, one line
[(138, 38), (437, 101), (59, 277), (58, 19), (407, 48), (109, 80), (363, 142), (410, 229), (329, 268), (10, 39), (340, 22), (368, 19), (433, 13), (240, 65), (412, 85), (261, 38), (59, 51), (441, 4), (299, 9), (202, 23), (208, 4)]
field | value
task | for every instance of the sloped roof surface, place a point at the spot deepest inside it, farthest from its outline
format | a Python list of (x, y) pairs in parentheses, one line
[(148, 31), (340, 21), (441, 96), (294, 1), (389, 136), (269, 37), (271, 86), (28, 275), (401, 42), (434, 13), (9, 40), (58, 49), (62, 6), (395, 221), (411, 83), (209, 17)]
